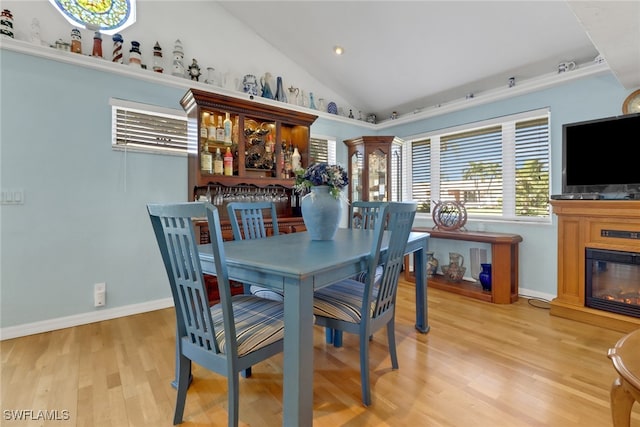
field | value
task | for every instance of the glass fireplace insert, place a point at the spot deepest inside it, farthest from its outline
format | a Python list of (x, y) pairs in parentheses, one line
[(613, 281)]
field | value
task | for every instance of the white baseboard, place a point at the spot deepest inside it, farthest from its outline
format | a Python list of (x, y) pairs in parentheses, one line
[(523, 292), (82, 319)]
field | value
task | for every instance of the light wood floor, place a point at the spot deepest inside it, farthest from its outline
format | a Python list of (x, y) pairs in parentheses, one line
[(480, 365)]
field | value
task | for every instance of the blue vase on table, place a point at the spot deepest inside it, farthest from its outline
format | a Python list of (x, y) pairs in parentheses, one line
[(485, 277), (321, 213)]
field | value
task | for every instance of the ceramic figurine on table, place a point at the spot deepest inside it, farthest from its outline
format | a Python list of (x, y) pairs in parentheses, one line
[(157, 58), (76, 41), (97, 45), (117, 48), (177, 68), (6, 23), (194, 70), (135, 57)]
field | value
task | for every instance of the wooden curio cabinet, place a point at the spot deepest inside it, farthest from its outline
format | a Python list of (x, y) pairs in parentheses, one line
[(261, 141), (375, 166)]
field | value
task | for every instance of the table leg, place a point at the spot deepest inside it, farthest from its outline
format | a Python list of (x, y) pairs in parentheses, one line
[(420, 270), (298, 354), (621, 403)]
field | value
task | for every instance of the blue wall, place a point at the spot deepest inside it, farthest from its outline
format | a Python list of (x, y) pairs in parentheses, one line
[(84, 218)]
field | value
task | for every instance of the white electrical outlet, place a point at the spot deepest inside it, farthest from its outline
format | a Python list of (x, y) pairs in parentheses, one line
[(99, 294)]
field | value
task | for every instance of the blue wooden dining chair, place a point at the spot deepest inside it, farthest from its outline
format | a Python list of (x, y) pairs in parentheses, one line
[(247, 222), (364, 308), (362, 215), (226, 338)]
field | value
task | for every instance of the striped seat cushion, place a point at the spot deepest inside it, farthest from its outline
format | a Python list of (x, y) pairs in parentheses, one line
[(342, 300), (259, 322), (362, 276), (266, 293)]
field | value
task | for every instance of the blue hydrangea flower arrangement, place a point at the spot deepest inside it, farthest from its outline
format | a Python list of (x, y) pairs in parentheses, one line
[(334, 176)]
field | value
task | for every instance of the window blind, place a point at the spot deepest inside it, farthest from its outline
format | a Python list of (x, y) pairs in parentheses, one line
[(148, 130), (499, 170)]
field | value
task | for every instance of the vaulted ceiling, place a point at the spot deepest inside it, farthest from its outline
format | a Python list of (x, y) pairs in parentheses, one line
[(407, 55)]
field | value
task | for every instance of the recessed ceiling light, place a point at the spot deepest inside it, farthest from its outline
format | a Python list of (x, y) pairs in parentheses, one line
[(338, 50)]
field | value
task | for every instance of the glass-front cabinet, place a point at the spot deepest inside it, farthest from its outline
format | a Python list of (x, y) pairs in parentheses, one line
[(242, 150), (375, 167)]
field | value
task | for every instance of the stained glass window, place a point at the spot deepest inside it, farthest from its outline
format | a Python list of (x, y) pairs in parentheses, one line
[(106, 16)]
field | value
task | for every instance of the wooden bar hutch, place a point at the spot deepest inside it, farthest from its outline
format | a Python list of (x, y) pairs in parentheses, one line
[(262, 135)]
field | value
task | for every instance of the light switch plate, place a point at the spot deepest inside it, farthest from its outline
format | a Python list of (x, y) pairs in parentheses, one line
[(12, 197)]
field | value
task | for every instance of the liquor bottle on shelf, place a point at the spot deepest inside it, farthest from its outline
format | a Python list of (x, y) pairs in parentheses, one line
[(227, 129), (267, 162), (228, 162), (234, 131), (218, 164), (220, 129), (206, 160), (204, 131), (211, 129), (281, 161), (287, 161)]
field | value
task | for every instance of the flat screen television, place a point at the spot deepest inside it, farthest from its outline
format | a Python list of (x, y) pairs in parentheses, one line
[(602, 156)]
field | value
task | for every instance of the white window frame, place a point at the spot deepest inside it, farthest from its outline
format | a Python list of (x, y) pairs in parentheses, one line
[(508, 163)]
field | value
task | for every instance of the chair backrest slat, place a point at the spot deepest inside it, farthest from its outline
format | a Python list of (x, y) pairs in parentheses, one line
[(400, 218), (174, 230), (251, 216), (364, 214)]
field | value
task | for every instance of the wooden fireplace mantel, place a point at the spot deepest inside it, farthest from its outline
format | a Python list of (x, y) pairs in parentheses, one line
[(580, 225)]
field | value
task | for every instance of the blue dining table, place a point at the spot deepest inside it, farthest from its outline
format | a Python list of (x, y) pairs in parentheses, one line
[(297, 265)]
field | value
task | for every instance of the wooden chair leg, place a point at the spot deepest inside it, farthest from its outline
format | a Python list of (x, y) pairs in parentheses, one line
[(328, 332), (234, 399), (183, 380), (364, 370), (337, 338), (391, 337)]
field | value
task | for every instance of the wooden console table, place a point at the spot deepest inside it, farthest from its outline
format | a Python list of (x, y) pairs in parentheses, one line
[(504, 268)]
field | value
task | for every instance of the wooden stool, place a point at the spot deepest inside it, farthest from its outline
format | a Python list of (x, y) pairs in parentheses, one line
[(625, 389)]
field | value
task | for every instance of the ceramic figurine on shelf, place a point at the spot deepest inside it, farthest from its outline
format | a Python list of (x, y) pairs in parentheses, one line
[(266, 86), (117, 48), (280, 95), (6, 23), (194, 70), (35, 32), (157, 58), (211, 76), (293, 95), (250, 84), (312, 102), (135, 57), (177, 68), (97, 45), (76, 41)]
